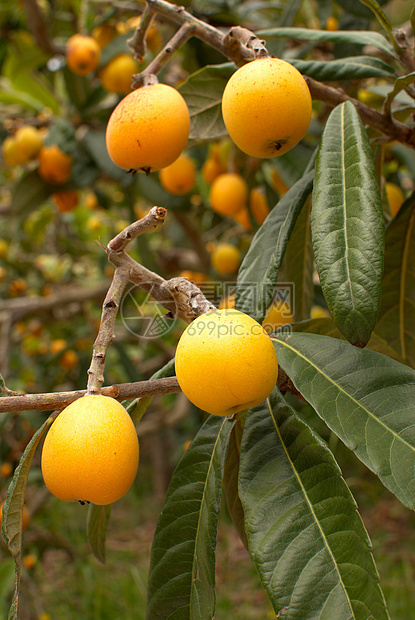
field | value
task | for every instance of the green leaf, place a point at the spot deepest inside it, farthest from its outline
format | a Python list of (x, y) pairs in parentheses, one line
[(202, 92), (182, 567), (350, 68), (29, 192), (259, 270), (326, 327), (94, 143), (400, 84), (347, 225), (366, 398), (298, 264), (230, 478), (97, 526), (12, 521), (381, 17), (396, 323), (305, 535), (356, 37), (139, 406)]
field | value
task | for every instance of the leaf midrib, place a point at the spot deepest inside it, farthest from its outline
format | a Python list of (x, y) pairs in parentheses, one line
[(328, 378), (404, 271), (200, 512), (311, 508)]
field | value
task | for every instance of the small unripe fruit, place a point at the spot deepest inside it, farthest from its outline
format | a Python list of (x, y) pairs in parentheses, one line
[(266, 107), (148, 129), (226, 362)]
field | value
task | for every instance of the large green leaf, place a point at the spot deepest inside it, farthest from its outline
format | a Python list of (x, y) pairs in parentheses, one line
[(182, 567), (203, 94), (97, 525), (355, 37), (305, 535), (396, 324), (12, 520), (326, 327), (230, 478), (350, 68), (298, 265), (258, 273), (366, 398), (347, 225), (29, 192)]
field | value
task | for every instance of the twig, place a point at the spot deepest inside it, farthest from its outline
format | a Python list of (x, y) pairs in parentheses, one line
[(241, 46), (138, 40), (106, 331), (382, 122), (59, 400)]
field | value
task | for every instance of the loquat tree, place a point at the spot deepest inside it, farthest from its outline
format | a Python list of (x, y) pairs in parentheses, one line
[(277, 142)]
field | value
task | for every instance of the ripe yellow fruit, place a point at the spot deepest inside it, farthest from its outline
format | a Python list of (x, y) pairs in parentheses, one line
[(29, 141), (66, 201), (395, 197), (226, 259), (228, 194), (180, 177), (148, 129), (117, 75), (266, 107), (258, 204), (90, 453), (226, 362), (278, 314), (82, 54), (55, 166), (11, 152)]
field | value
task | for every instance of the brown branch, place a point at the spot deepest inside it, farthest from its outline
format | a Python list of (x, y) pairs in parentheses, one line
[(106, 331), (394, 129), (20, 307), (138, 41), (241, 46), (59, 400)]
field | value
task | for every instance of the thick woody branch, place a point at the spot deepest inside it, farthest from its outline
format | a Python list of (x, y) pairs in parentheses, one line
[(59, 400)]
